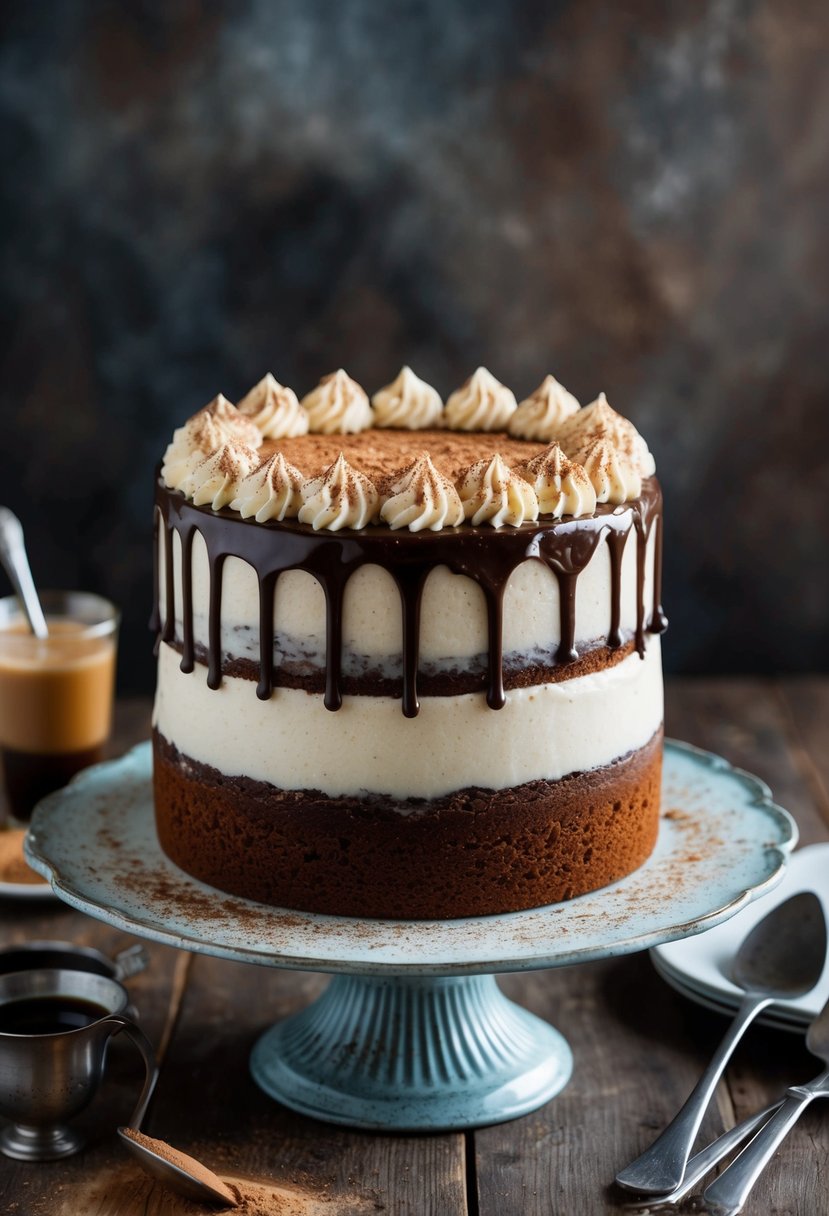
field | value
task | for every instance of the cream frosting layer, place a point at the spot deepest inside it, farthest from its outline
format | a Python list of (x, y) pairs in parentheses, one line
[(293, 742), (421, 498), (453, 613)]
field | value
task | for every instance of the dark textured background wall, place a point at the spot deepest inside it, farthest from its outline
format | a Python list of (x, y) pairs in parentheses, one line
[(634, 196)]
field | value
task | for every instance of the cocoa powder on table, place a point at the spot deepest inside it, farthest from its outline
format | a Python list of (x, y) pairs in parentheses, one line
[(125, 1188), (13, 865)]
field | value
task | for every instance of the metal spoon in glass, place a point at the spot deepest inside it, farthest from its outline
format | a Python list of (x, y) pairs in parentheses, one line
[(727, 1194), (181, 1173), (781, 959), (16, 564)]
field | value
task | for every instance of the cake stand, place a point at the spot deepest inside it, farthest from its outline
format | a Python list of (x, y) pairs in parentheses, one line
[(413, 1033)]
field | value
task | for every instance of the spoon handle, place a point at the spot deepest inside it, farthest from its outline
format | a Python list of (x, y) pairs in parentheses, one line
[(661, 1168), (727, 1194), (705, 1160), (14, 559), (151, 1071)]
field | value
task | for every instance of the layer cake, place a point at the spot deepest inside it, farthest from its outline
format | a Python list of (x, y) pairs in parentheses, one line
[(408, 652)]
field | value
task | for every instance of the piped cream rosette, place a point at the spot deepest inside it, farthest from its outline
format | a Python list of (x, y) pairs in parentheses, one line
[(594, 455)]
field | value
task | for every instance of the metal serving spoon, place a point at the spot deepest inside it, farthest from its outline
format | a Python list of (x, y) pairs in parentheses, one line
[(189, 1178), (703, 1163), (727, 1194), (781, 959), (16, 563)]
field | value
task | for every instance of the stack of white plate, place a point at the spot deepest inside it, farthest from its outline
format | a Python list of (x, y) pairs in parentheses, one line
[(699, 967)]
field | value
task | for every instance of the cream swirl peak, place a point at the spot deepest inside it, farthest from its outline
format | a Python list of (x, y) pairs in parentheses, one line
[(491, 493), (421, 497), (238, 426), (274, 409), (541, 415), (204, 433), (271, 491), (612, 473), (599, 421), (341, 497), (408, 403), (482, 403), (215, 478), (561, 486), (200, 435), (338, 406)]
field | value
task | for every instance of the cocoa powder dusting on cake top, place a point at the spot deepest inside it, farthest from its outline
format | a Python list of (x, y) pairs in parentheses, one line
[(378, 454)]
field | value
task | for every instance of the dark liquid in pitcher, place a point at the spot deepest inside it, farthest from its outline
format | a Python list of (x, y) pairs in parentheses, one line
[(48, 1015)]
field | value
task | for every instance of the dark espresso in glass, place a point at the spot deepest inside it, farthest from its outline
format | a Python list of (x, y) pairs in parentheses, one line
[(48, 1014), (31, 776)]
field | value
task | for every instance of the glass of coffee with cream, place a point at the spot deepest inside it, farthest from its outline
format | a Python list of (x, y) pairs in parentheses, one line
[(55, 693)]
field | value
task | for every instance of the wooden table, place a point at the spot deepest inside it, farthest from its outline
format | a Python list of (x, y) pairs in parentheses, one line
[(638, 1048)]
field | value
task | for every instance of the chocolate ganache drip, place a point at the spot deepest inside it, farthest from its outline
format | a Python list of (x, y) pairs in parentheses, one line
[(487, 556)]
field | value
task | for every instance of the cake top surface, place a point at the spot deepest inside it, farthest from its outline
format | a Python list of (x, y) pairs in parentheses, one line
[(380, 453), (404, 459)]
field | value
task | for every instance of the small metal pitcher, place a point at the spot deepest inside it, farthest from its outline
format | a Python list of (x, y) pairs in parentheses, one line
[(46, 1079), (66, 956)]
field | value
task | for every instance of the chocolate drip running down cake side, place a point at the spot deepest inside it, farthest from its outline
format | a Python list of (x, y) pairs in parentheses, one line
[(408, 652)]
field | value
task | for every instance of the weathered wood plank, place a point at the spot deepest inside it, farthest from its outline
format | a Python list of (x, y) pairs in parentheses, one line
[(806, 703), (638, 1050), (208, 1103)]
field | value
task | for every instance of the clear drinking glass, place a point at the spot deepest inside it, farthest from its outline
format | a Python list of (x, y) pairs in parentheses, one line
[(56, 693)]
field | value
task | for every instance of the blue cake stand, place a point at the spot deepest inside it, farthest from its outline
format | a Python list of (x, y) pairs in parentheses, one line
[(413, 1032)]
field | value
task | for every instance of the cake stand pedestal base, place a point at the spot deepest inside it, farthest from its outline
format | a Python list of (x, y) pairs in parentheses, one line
[(433, 1053)]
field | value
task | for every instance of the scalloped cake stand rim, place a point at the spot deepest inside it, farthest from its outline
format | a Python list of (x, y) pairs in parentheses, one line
[(722, 842), (417, 1035)]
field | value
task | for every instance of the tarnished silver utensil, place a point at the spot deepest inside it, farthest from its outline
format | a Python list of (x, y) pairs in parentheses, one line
[(727, 1194), (781, 959), (176, 1170), (16, 564), (703, 1163)]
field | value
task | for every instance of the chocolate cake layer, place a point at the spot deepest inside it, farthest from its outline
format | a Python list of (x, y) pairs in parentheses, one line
[(431, 684), (471, 853)]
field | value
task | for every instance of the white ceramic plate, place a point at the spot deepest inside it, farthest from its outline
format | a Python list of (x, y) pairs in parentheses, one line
[(794, 1025), (698, 966)]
